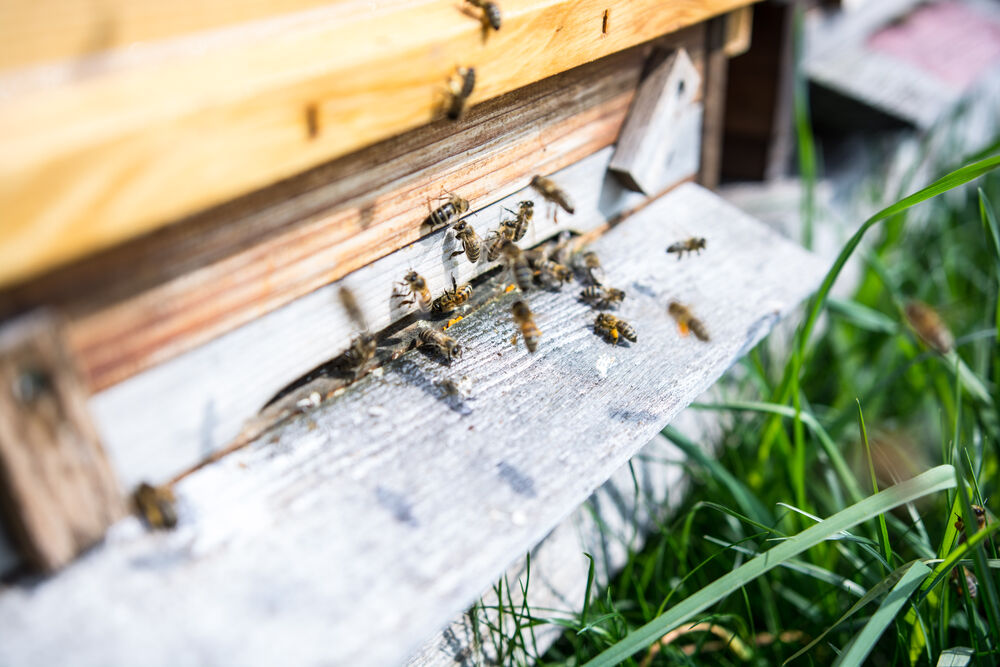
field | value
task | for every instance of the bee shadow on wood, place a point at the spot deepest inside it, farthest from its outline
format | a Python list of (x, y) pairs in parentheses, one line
[(413, 375)]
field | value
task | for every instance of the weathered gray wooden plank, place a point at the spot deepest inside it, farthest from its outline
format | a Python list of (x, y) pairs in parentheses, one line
[(382, 513), (160, 422)]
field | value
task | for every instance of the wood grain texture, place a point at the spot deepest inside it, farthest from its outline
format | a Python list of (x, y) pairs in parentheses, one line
[(650, 132), (148, 301), (57, 491), (107, 156), (159, 423), (385, 511)]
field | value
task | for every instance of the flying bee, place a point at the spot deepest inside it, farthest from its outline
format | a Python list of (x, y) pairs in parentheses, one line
[(602, 297), (460, 87), (552, 274), (592, 267), (518, 265), (690, 245), (455, 207), (560, 251), (970, 579), (416, 289), (687, 321), (440, 341), (496, 239), (552, 192), (491, 11), (613, 328), (362, 347), (470, 241), (156, 505), (526, 321), (929, 326), (525, 212), (452, 298)]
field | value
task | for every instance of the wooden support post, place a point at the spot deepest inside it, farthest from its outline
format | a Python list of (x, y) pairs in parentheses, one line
[(650, 135), (716, 67), (57, 491)]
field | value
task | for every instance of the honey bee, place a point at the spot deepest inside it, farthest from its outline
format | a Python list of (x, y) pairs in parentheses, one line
[(592, 267), (470, 241), (491, 11), (455, 207), (613, 329), (496, 239), (690, 245), (525, 212), (552, 274), (929, 326), (441, 342), (452, 298), (560, 251), (551, 191), (156, 505), (526, 321), (415, 287), (686, 321), (362, 347), (518, 265), (970, 579), (602, 297), (460, 88)]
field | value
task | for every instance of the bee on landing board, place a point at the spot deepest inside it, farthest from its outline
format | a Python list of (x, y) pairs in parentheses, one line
[(455, 207), (470, 241), (459, 88), (602, 297), (518, 265), (156, 505), (362, 347), (526, 321), (447, 346), (614, 329), (688, 322), (929, 327), (970, 579), (491, 11), (552, 192), (552, 275), (452, 298), (416, 288), (693, 244)]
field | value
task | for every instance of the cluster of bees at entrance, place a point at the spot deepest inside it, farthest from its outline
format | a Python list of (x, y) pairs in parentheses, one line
[(548, 267)]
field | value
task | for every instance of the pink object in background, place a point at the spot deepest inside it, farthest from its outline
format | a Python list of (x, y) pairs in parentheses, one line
[(949, 40)]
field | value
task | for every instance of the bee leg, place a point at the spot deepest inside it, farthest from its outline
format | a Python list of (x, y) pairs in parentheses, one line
[(457, 252)]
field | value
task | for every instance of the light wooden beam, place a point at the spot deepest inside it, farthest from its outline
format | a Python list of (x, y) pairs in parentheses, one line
[(149, 135), (384, 512)]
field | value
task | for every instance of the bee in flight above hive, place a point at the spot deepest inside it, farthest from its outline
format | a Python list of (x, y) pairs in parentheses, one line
[(414, 287), (602, 297), (525, 320), (686, 321), (552, 192), (592, 267), (491, 11), (452, 298), (362, 347), (518, 265), (460, 86), (497, 238), (690, 245), (440, 341), (614, 329), (156, 505), (525, 212), (455, 207), (469, 239)]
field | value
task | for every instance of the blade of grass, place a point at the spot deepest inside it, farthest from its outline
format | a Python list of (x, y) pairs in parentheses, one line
[(883, 535), (990, 601), (932, 481), (863, 642), (816, 304)]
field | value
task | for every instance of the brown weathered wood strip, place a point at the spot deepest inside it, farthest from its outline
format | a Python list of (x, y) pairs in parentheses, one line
[(385, 511), (57, 491)]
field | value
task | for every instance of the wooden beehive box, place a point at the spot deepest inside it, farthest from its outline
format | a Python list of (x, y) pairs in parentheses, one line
[(186, 188)]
